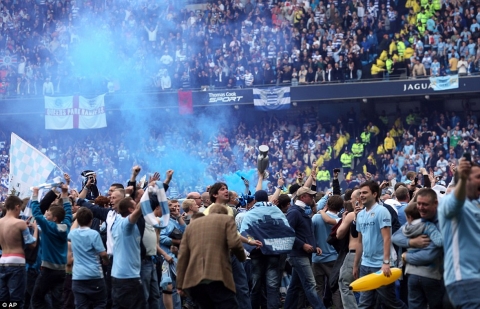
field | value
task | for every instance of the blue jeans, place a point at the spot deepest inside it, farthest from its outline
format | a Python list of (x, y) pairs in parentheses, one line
[(423, 291), (265, 272), (32, 275), (302, 278), (90, 292), (151, 289), (465, 294), (386, 294), (241, 284), (13, 280), (68, 296)]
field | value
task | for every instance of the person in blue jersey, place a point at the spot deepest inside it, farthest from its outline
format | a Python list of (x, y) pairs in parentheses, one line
[(323, 264), (88, 285), (459, 218), (55, 226), (127, 289), (374, 225)]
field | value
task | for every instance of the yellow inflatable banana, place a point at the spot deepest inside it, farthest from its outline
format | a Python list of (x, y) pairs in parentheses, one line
[(375, 280)]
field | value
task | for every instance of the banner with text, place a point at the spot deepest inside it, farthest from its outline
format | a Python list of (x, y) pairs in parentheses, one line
[(444, 82), (75, 112), (224, 97)]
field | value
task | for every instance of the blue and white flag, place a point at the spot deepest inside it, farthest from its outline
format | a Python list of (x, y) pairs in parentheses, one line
[(28, 167), (27, 212), (273, 98), (444, 82), (5, 182), (267, 223), (147, 210)]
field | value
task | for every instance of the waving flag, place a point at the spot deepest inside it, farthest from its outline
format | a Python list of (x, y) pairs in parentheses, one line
[(273, 98), (147, 210), (267, 223), (75, 112), (28, 167)]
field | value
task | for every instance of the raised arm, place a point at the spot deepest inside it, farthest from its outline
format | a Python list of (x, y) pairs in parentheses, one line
[(169, 176), (276, 194), (133, 179), (311, 178), (67, 206), (453, 203), (259, 182), (84, 192)]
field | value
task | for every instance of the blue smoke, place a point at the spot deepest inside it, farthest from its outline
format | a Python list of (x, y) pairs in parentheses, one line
[(235, 181)]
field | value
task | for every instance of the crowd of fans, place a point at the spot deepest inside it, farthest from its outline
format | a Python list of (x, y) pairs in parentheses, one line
[(395, 171), (384, 146), (230, 43)]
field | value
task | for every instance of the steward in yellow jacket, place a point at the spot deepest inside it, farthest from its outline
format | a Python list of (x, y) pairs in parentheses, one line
[(389, 143), (346, 159)]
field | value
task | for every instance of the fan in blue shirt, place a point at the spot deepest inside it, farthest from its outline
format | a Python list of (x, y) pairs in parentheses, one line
[(55, 226), (459, 219), (88, 285), (374, 224), (127, 289)]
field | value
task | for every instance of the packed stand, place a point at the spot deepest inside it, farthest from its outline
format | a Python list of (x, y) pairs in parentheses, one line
[(230, 44)]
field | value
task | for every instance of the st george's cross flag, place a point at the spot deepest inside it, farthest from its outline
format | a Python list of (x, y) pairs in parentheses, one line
[(75, 112)]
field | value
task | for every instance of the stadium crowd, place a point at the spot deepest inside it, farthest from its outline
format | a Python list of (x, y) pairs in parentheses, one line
[(230, 43), (391, 154)]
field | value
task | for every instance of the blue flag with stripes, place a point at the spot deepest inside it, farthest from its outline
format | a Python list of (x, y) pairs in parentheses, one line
[(147, 210), (267, 223), (273, 98)]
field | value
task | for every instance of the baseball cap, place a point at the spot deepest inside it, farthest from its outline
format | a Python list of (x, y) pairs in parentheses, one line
[(305, 190), (261, 196)]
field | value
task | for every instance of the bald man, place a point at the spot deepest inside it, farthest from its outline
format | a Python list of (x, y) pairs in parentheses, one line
[(205, 201)]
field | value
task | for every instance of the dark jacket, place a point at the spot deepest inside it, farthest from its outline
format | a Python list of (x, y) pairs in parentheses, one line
[(302, 224)]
